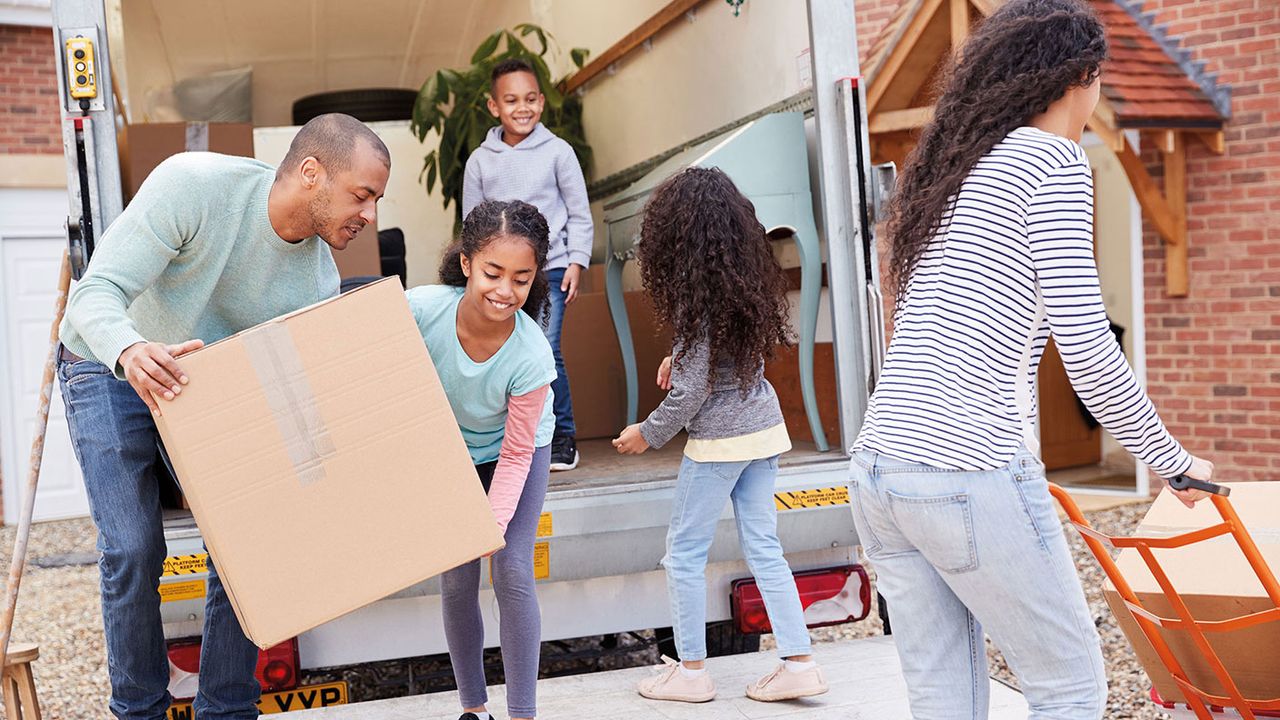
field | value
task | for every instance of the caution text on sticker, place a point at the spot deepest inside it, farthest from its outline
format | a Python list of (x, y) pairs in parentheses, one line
[(816, 497), (541, 561), (183, 590), (186, 564), (544, 525)]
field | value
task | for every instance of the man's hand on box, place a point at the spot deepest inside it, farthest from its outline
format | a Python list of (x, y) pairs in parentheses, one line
[(152, 369)]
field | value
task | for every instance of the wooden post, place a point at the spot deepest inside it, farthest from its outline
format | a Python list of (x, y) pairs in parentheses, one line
[(19, 559), (1177, 282), (959, 23)]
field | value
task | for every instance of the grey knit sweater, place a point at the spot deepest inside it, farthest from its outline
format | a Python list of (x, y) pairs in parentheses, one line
[(711, 408), (542, 171)]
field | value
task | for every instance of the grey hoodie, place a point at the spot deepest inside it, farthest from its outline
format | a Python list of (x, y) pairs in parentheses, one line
[(542, 171)]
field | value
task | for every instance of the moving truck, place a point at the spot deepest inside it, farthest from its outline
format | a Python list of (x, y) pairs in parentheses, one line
[(702, 85)]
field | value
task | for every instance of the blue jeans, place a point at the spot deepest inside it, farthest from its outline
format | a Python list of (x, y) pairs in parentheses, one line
[(115, 441), (702, 490), (957, 552), (561, 401)]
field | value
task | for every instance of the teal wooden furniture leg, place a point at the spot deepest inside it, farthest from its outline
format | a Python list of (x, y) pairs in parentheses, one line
[(810, 294), (618, 310)]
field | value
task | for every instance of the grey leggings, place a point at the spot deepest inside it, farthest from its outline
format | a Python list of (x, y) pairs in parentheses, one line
[(520, 632)]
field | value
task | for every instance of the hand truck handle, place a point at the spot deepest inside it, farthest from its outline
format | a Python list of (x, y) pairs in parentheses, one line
[(1182, 482)]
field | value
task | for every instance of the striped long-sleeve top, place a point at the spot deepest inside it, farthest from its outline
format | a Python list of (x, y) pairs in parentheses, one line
[(1012, 263)]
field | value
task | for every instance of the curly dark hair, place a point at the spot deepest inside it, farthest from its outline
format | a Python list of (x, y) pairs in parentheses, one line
[(1014, 65), (710, 271), (489, 221)]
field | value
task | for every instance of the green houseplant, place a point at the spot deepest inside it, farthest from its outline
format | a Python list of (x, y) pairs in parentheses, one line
[(453, 104)]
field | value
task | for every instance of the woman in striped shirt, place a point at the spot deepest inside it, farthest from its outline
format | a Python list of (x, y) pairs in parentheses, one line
[(992, 251)]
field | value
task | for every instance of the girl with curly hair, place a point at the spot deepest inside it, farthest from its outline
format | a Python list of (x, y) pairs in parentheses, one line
[(496, 368), (992, 251), (713, 280)]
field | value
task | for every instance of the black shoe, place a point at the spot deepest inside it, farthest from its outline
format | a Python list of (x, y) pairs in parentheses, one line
[(470, 716), (564, 454)]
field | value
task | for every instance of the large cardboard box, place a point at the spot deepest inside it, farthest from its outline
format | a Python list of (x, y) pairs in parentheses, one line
[(1216, 583), (143, 146), (323, 464)]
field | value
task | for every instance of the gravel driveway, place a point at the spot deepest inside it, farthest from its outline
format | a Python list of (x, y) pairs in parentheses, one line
[(59, 609)]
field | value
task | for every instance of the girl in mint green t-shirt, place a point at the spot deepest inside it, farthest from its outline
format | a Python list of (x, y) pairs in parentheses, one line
[(496, 368)]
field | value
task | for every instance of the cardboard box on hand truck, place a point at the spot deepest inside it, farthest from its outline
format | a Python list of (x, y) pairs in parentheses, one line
[(323, 463), (1216, 582)]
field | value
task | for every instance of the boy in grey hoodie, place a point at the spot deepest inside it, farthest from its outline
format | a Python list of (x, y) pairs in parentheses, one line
[(522, 160)]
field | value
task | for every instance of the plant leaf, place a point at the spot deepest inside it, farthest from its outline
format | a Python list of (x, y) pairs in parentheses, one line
[(487, 47), (579, 56), (526, 29)]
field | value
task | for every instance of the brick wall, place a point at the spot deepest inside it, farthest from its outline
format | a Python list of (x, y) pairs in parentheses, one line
[(872, 16), (1213, 358), (29, 120)]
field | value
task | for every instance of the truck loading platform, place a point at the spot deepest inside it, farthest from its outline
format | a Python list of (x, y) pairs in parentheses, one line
[(863, 674)]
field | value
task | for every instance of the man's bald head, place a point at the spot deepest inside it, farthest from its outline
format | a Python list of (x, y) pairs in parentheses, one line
[(333, 140)]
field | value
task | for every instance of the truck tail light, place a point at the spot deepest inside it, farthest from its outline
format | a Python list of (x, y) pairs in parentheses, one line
[(277, 667), (829, 596)]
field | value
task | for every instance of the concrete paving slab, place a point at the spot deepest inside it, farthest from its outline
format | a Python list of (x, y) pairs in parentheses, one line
[(864, 675)]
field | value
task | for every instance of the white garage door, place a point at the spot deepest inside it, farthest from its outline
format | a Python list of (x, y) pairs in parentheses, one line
[(31, 243)]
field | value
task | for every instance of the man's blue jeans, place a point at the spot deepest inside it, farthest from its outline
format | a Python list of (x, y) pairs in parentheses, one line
[(561, 403), (115, 441), (959, 552)]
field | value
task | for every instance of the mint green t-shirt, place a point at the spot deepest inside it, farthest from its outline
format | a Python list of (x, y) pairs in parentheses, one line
[(194, 256), (478, 392)]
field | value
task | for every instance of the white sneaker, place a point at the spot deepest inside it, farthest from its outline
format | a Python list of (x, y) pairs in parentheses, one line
[(671, 684), (784, 684)]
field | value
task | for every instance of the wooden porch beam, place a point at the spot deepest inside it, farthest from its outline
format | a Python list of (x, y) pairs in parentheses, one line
[(1176, 280), (888, 121), (959, 22), (901, 53), (1215, 140), (1153, 202)]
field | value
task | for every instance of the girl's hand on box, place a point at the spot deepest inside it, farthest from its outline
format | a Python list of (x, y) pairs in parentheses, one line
[(631, 442)]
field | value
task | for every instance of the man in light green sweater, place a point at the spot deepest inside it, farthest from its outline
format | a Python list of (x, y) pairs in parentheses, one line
[(211, 245)]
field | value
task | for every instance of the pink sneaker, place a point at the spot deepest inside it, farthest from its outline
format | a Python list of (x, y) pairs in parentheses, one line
[(783, 684), (671, 684)]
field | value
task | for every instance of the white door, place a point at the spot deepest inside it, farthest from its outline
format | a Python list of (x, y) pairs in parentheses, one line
[(31, 243)]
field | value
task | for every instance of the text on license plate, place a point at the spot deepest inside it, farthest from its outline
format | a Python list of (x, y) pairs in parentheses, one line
[(303, 698)]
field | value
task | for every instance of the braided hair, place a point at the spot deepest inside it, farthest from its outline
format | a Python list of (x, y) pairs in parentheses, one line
[(489, 221)]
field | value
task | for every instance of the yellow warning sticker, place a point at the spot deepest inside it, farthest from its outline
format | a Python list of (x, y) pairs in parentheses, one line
[(186, 564), (544, 525), (183, 590), (541, 561), (817, 497)]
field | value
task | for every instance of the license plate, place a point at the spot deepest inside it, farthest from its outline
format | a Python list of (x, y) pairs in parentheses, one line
[(303, 698)]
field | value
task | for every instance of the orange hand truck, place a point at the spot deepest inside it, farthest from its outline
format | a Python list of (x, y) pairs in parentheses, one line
[(1199, 701)]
